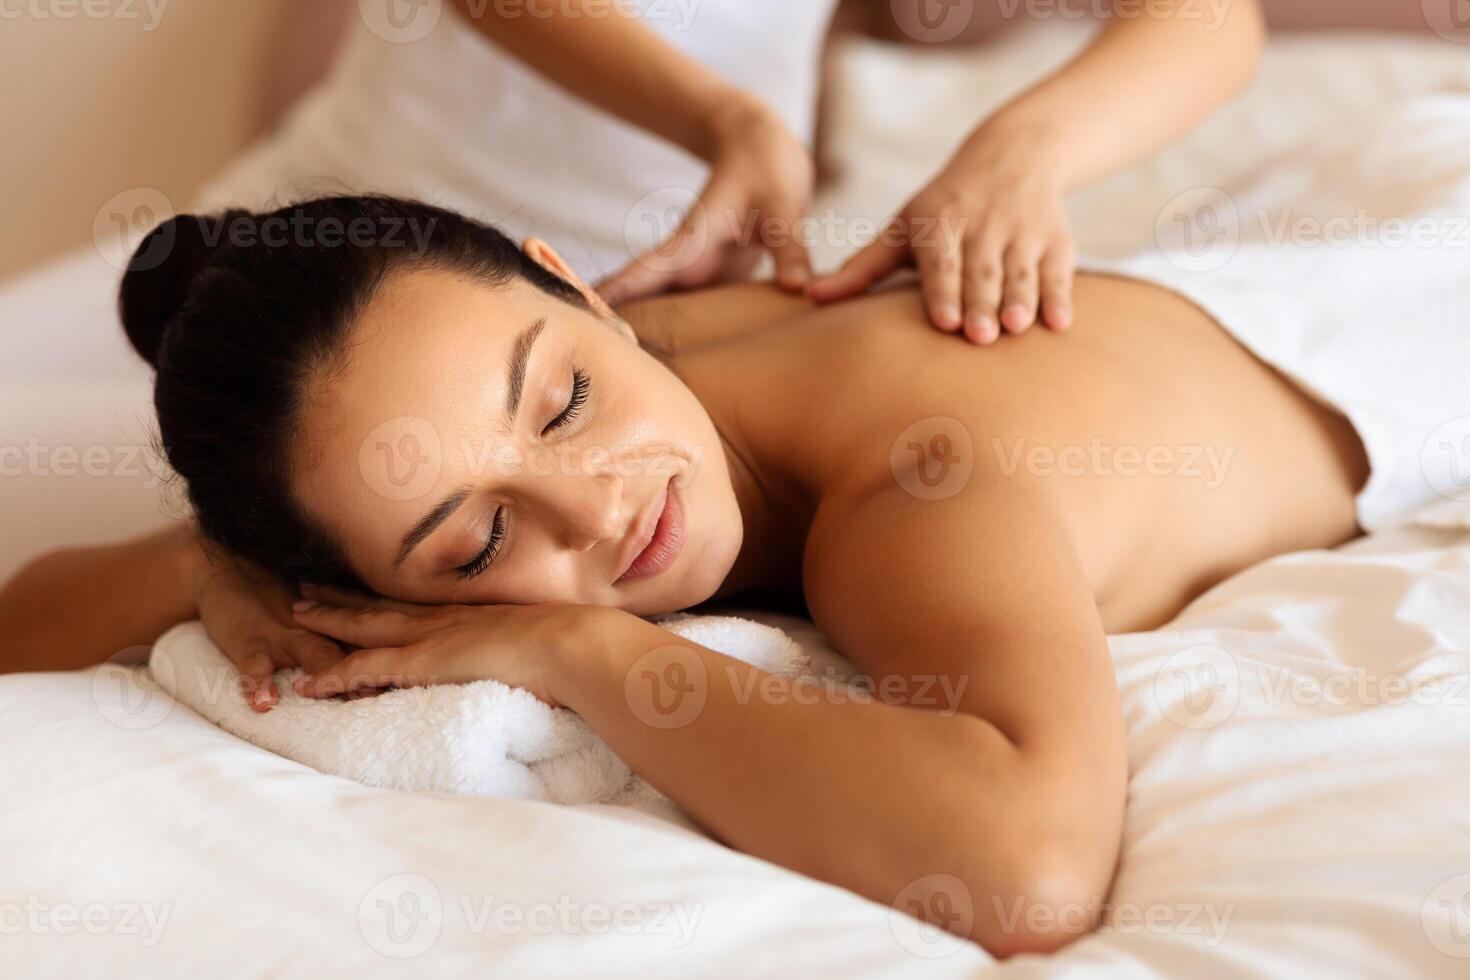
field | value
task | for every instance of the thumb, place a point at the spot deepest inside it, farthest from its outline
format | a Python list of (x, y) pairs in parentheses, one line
[(256, 665), (663, 265), (859, 272), (793, 264)]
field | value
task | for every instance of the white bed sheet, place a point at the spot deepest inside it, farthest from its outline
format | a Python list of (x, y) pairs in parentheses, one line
[(1299, 806), (1326, 834)]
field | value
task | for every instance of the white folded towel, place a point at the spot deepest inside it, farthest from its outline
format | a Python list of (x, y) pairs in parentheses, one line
[(480, 739)]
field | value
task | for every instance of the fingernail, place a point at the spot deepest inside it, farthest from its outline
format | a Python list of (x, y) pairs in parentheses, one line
[(302, 605), (947, 315), (793, 276), (262, 697), (1061, 319), (1015, 316), (984, 327)]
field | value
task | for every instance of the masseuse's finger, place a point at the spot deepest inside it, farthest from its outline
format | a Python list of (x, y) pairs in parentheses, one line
[(871, 264), (683, 256), (1058, 267), (939, 267), (984, 280), (360, 627), (1022, 295), (793, 265)]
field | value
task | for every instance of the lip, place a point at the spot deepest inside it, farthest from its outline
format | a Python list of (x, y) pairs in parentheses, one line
[(659, 538)]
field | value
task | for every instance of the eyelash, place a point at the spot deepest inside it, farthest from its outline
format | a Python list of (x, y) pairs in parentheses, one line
[(581, 388), (484, 558)]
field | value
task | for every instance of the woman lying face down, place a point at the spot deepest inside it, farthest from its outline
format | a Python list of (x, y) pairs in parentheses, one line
[(482, 454)]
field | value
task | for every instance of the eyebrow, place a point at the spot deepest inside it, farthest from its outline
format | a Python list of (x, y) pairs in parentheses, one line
[(520, 357)]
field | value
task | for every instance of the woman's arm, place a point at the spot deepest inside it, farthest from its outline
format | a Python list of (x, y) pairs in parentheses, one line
[(81, 606), (983, 789)]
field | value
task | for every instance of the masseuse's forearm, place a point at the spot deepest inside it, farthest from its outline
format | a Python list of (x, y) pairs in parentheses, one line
[(1157, 70), (608, 58), (871, 796), (81, 606)]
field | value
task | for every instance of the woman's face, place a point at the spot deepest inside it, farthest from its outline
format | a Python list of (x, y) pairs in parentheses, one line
[(488, 445)]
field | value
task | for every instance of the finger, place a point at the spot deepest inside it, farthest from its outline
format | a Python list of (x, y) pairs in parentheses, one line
[(360, 627), (793, 264), (332, 596), (1022, 293), (314, 652), (984, 280), (671, 261), (861, 271), (256, 665), (939, 257), (1058, 268), (737, 265), (365, 670)]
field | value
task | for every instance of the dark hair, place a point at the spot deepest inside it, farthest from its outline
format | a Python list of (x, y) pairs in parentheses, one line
[(239, 312)]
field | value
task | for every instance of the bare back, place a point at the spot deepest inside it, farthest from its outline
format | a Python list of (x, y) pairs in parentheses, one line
[(1173, 456)]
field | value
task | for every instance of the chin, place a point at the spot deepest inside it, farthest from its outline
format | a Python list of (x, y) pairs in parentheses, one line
[(694, 578)]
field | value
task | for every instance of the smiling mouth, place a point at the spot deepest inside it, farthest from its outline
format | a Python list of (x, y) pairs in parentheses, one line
[(665, 540)]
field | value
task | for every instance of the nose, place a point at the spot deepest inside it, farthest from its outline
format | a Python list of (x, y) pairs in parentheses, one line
[(586, 506)]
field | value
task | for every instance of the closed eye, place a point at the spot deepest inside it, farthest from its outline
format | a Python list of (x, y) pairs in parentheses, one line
[(487, 555), (581, 387)]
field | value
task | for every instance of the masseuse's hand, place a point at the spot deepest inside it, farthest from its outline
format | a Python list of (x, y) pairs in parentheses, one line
[(759, 188), (248, 615), (407, 645), (990, 239)]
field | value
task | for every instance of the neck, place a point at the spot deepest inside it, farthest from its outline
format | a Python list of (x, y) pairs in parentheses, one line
[(776, 501)]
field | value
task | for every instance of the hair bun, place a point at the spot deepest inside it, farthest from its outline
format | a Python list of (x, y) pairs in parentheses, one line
[(161, 273)]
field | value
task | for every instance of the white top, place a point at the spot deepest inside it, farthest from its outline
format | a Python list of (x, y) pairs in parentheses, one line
[(429, 108)]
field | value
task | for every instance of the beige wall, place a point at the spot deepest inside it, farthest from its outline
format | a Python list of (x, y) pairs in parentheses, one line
[(93, 106)]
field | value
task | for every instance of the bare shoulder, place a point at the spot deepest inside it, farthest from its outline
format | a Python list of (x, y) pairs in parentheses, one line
[(682, 322), (981, 585)]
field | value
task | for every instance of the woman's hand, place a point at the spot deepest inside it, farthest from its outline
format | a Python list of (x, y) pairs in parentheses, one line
[(989, 236), (759, 188), (247, 613), (407, 645)]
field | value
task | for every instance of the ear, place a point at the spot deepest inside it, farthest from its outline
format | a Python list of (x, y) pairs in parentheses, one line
[(546, 257)]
